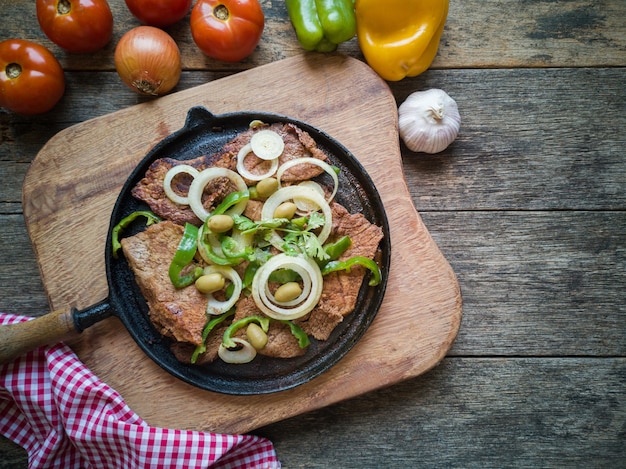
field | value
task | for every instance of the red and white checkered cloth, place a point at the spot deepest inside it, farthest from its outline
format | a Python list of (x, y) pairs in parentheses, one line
[(53, 406)]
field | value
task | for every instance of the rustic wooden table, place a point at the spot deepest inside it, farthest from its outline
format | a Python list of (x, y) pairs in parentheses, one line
[(528, 206)]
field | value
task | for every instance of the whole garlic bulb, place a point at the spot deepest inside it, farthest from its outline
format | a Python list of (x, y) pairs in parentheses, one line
[(429, 121)]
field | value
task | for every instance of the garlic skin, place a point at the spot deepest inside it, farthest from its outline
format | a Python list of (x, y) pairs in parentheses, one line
[(429, 121)]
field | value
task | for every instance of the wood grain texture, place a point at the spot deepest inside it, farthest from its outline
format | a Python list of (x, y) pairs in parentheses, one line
[(537, 283), (472, 413), (79, 172), (527, 206)]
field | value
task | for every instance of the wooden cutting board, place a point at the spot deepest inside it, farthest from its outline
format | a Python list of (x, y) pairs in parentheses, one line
[(72, 184)]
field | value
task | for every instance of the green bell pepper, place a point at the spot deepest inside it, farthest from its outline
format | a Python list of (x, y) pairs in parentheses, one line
[(184, 255), (117, 229), (210, 325), (321, 25), (298, 333), (335, 250), (262, 321), (231, 199), (335, 266)]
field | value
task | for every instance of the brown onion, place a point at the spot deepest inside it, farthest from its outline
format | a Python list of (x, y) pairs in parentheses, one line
[(147, 59)]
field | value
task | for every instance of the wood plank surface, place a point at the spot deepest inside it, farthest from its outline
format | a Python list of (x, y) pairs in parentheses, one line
[(477, 412), (478, 34), (527, 206), (555, 279)]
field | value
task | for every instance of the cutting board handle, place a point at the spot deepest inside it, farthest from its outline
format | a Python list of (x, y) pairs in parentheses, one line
[(17, 339)]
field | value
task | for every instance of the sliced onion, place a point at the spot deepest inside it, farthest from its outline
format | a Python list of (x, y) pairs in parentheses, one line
[(243, 171), (242, 240), (306, 290), (245, 354), (215, 307), (308, 270), (305, 206), (199, 183), (267, 144), (322, 164), (301, 192), (169, 177)]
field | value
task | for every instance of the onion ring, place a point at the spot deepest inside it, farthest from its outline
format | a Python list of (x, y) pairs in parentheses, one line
[(215, 307), (307, 283), (301, 192), (308, 160), (169, 177), (243, 171), (199, 183), (305, 207), (306, 267), (243, 355)]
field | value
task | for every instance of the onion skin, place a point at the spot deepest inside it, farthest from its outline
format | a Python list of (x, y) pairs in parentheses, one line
[(147, 60)]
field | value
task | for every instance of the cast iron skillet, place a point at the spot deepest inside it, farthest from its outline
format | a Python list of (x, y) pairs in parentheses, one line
[(206, 133)]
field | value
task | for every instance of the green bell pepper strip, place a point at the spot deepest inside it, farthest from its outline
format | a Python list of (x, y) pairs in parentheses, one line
[(184, 255), (248, 274), (210, 325), (235, 258), (264, 322), (253, 193), (228, 248), (322, 24), (335, 250), (151, 218), (335, 266), (216, 258), (298, 333), (231, 199), (298, 223), (284, 276), (207, 251), (227, 340)]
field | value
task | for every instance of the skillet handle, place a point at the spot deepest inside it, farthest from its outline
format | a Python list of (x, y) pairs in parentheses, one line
[(17, 339)]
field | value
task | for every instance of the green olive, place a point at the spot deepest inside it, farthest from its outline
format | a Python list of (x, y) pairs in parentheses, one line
[(287, 292), (266, 187), (220, 223), (210, 283), (285, 210), (256, 336)]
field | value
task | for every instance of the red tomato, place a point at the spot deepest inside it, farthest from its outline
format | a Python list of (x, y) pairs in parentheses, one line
[(160, 13), (227, 30), (78, 26), (31, 78)]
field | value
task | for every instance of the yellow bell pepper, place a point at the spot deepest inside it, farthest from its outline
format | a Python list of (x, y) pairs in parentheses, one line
[(400, 38)]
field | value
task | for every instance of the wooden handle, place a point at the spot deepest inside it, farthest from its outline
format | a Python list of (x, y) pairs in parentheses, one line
[(17, 339)]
